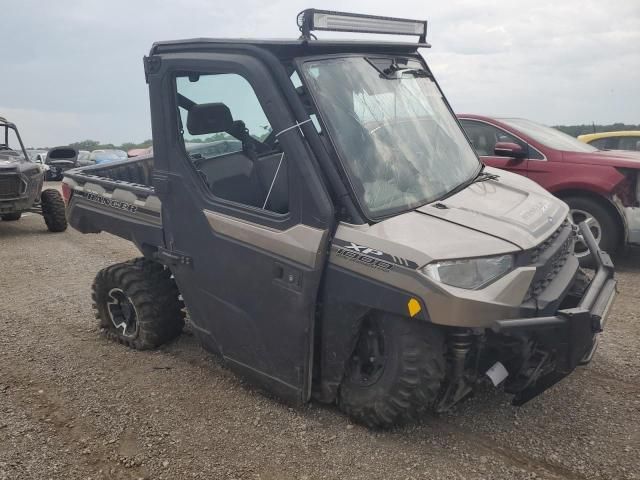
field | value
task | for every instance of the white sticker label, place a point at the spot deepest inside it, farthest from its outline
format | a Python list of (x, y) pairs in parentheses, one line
[(497, 373)]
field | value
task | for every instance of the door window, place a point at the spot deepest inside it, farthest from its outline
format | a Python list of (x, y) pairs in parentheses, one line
[(229, 141), (484, 137), (601, 143), (629, 143)]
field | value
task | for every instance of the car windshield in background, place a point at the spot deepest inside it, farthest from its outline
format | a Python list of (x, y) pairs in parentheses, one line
[(108, 155), (399, 143), (548, 136)]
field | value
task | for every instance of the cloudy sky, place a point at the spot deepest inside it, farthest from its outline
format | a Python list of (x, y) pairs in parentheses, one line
[(72, 69)]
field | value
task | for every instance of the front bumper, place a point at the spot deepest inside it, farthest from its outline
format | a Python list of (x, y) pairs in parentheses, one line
[(570, 336), (22, 196)]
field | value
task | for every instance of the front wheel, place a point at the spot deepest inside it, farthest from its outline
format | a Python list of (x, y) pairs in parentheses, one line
[(601, 223), (138, 304), (395, 372), (53, 210)]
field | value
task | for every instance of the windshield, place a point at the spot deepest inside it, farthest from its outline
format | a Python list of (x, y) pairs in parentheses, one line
[(398, 141), (548, 136)]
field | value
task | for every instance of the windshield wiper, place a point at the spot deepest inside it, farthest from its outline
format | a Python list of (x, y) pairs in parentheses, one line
[(481, 176), (484, 176)]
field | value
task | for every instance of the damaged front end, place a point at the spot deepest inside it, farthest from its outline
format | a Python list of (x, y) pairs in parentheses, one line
[(529, 355), (626, 198)]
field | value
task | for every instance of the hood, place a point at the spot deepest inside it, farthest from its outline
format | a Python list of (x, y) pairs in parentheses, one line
[(512, 208), (62, 156), (9, 161), (487, 218), (610, 158)]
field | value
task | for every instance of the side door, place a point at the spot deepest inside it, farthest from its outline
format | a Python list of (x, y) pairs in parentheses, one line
[(484, 137), (246, 217)]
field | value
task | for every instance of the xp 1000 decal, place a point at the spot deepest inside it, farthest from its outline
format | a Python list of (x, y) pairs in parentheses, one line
[(370, 256)]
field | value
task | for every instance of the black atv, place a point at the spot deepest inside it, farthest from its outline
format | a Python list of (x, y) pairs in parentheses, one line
[(21, 183)]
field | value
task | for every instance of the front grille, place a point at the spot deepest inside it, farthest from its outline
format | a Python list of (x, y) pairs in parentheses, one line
[(549, 257), (10, 186)]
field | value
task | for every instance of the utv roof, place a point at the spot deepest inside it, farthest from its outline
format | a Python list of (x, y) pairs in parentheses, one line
[(288, 48), (310, 20)]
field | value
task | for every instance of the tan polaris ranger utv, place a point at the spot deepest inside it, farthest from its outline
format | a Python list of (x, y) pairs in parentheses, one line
[(331, 231)]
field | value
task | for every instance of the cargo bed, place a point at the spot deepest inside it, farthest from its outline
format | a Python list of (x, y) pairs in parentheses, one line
[(117, 198)]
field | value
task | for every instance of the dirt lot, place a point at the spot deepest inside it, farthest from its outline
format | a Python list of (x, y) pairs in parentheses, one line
[(75, 406)]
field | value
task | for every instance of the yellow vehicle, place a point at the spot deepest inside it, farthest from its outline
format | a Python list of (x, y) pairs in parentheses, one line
[(623, 140)]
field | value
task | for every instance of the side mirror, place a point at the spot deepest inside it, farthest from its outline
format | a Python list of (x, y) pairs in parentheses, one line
[(509, 149)]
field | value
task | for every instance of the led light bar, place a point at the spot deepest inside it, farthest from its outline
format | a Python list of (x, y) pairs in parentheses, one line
[(312, 19)]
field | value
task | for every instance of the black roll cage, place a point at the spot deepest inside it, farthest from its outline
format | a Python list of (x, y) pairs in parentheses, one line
[(8, 125)]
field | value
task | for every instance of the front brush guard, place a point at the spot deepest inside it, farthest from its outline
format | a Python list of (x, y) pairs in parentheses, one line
[(572, 333)]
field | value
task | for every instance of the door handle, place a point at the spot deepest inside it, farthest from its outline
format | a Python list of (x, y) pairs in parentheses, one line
[(289, 276)]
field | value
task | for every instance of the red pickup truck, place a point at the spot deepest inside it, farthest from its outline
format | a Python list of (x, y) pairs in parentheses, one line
[(602, 187)]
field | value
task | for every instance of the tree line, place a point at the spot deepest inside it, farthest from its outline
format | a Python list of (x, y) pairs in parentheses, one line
[(91, 145), (575, 130), (96, 145)]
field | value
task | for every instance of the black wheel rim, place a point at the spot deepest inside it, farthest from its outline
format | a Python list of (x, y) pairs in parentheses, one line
[(122, 313), (369, 358)]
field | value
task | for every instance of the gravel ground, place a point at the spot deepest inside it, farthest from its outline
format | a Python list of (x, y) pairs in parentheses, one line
[(76, 406)]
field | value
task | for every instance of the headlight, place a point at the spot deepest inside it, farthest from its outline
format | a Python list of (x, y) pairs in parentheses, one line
[(471, 273)]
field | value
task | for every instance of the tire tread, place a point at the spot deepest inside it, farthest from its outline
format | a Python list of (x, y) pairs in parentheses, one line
[(153, 292)]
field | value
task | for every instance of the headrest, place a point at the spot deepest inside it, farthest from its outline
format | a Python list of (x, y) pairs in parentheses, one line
[(207, 118)]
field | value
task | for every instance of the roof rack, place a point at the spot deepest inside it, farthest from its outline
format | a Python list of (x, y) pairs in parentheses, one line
[(313, 19)]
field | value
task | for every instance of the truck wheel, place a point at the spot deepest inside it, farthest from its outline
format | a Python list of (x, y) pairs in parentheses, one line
[(601, 222), (53, 210), (395, 372), (137, 304), (11, 217)]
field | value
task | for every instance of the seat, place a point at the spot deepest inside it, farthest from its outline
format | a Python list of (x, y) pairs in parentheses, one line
[(240, 176)]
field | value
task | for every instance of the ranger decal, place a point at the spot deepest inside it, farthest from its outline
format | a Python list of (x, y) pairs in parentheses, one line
[(109, 202)]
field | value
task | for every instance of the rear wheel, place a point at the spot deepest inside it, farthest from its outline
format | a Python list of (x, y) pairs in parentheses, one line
[(601, 223), (137, 303), (395, 372), (53, 210), (11, 217)]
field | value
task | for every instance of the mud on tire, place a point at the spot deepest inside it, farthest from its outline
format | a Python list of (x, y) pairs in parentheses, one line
[(137, 303), (53, 210), (409, 380)]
